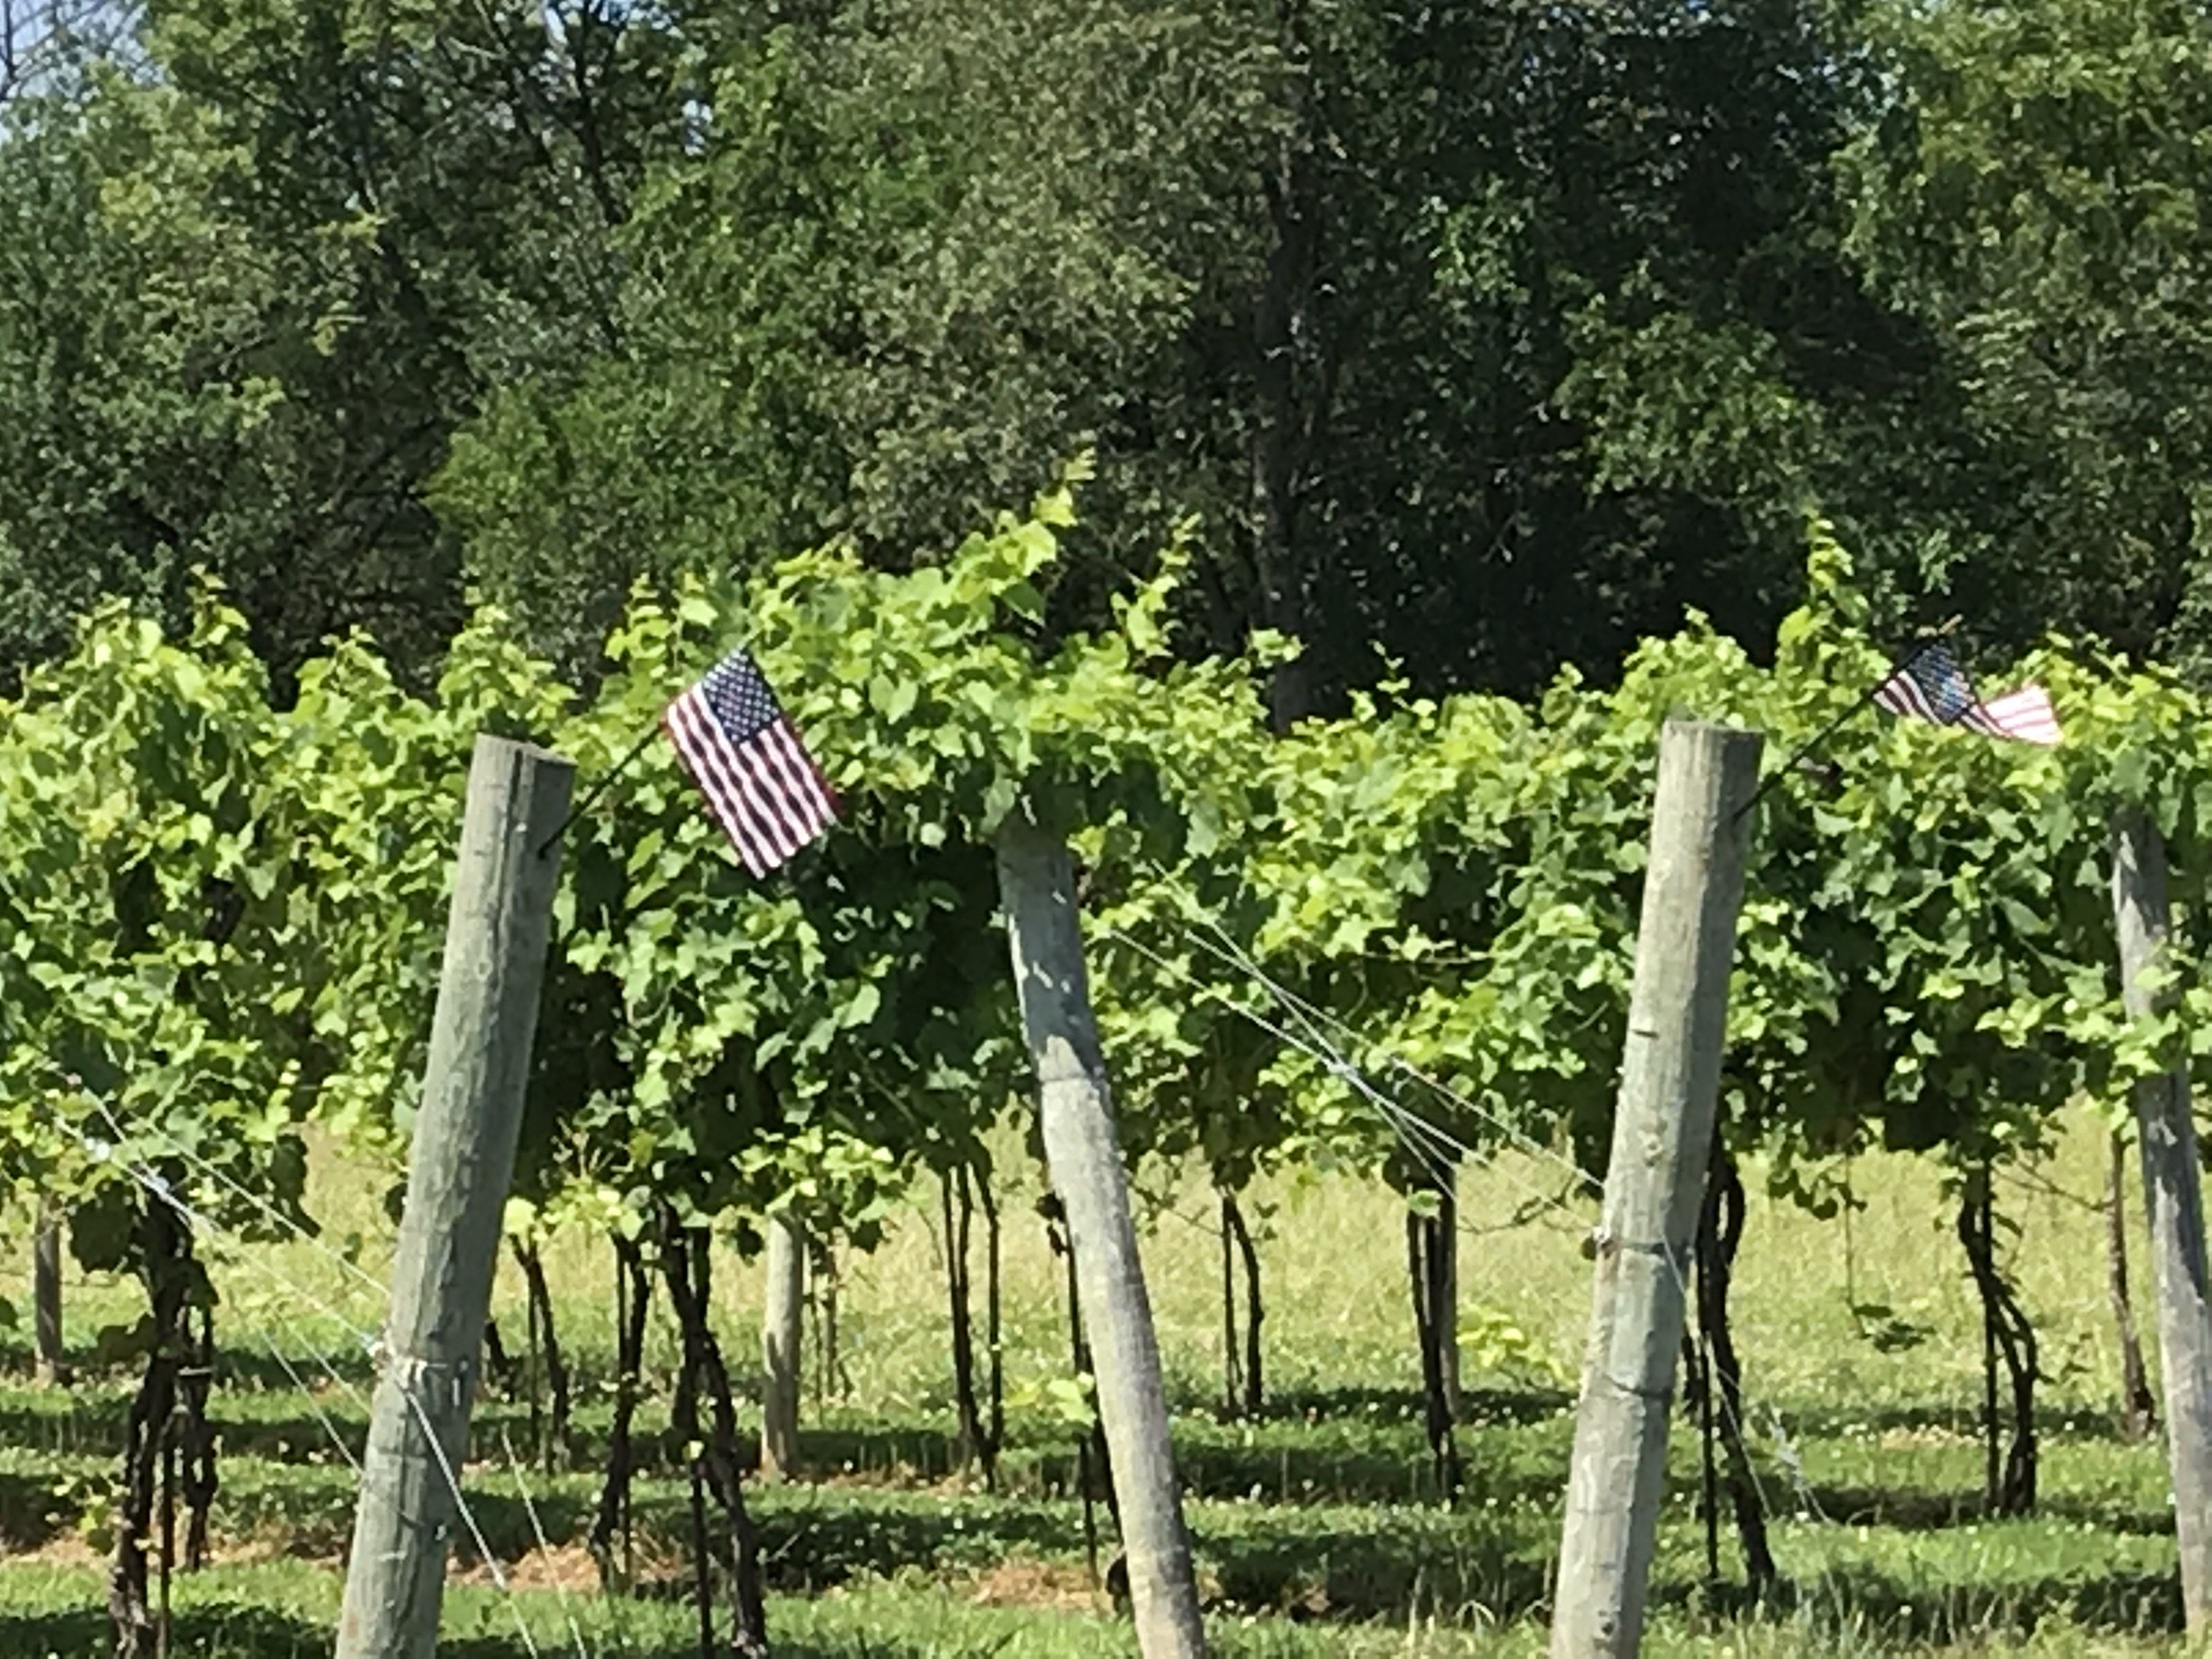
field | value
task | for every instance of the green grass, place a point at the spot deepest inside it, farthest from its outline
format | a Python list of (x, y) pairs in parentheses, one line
[(1317, 1528)]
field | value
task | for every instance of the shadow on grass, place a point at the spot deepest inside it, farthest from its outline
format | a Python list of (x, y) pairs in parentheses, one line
[(1352, 1568), (244, 1631), (1382, 1569), (1353, 1445), (1452, 1567), (1908, 1509), (1364, 1462), (1376, 1469), (224, 1631), (277, 1426), (816, 1543), (1349, 1445), (239, 1363), (1356, 1562), (1962, 1419), (1862, 1603)]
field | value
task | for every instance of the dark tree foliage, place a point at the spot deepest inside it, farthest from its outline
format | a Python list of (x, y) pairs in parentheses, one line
[(1478, 340)]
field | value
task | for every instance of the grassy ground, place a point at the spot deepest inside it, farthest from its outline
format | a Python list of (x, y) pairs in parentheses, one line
[(1317, 1528)]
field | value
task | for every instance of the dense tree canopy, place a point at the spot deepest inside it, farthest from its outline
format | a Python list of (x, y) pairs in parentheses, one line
[(1477, 340), (2033, 191)]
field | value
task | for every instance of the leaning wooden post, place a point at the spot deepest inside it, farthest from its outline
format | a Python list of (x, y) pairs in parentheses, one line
[(496, 934), (1036, 887), (784, 1303), (1662, 1130), (2173, 1196)]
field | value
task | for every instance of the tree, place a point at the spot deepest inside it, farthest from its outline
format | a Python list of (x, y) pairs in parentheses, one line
[(2029, 192), (916, 257), (254, 283)]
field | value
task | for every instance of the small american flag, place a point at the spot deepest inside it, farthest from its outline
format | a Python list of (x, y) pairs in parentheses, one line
[(1929, 685), (766, 791)]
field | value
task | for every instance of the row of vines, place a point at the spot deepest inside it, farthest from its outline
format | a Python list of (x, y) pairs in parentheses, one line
[(220, 921)]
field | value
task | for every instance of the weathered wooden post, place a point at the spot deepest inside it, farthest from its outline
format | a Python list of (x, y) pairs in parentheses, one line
[(2173, 1196), (1663, 1132), (1036, 887), (782, 1305), (496, 934)]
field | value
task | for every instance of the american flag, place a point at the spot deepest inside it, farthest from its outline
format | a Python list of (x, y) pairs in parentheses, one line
[(1929, 685), (765, 790)]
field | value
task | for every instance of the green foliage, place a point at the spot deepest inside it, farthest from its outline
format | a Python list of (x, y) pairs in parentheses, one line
[(1481, 339), (875, 299), (155, 1008), (2032, 193), (261, 264), (224, 919)]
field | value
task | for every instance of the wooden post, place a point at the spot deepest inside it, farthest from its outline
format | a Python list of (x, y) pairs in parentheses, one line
[(781, 1330), (497, 936), (1036, 888), (46, 1297), (2173, 1196), (1663, 1132)]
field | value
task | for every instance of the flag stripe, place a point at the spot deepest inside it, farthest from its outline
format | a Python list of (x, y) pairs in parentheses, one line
[(2026, 714), (720, 774), (1901, 694), (744, 818), (792, 790), (761, 784), (703, 774), (1978, 718), (804, 787), (779, 837)]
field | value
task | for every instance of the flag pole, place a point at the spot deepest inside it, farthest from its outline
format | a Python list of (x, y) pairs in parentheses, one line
[(1836, 725), (602, 785)]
